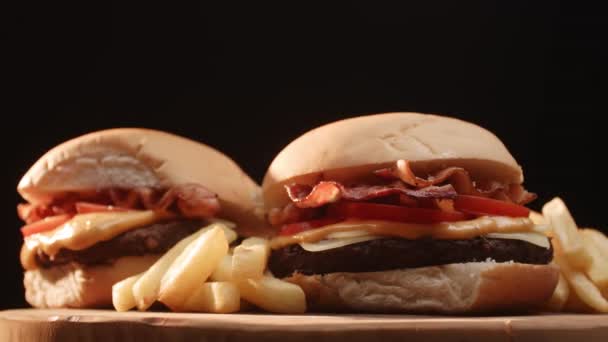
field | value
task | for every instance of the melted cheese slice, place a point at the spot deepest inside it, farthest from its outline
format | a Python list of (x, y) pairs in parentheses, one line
[(337, 242), (531, 237), (83, 231), (445, 231), (324, 245)]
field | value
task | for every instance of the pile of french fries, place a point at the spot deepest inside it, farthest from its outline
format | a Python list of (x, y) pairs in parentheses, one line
[(202, 273), (582, 256)]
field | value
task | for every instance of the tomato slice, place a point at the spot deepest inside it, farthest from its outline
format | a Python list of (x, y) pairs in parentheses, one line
[(47, 223), (88, 207), (374, 211), (298, 227), (487, 206)]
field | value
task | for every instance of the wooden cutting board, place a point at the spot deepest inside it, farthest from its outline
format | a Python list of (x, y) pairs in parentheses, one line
[(98, 325)]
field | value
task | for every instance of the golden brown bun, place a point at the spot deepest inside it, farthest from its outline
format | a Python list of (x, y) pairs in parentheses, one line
[(78, 286), (132, 157), (454, 288), (349, 149)]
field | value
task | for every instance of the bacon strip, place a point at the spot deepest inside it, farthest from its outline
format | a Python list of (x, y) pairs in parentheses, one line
[(519, 195), (402, 171), (191, 200), (329, 192), (30, 213), (461, 180), (411, 190), (186, 200)]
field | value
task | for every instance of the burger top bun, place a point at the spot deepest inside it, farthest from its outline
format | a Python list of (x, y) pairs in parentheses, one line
[(133, 157), (349, 149)]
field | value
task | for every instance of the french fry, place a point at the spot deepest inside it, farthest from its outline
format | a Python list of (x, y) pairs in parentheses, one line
[(192, 267), (274, 295), (122, 293), (597, 271), (582, 286), (223, 271), (565, 232), (214, 297), (575, 304), (260, 292), (146, 288), (560, 295), (229, 224), (229, 234), (249, 259), (600, 240), (267, 292)]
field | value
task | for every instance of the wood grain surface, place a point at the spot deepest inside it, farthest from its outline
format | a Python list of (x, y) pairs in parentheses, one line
[(101, 325)]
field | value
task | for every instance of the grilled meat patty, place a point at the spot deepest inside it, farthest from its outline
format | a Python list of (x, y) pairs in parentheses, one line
[(393, 253)]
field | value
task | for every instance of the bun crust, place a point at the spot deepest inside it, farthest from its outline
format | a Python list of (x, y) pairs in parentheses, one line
[(347, 149), (455, 288), (78, 286), (132, 157)]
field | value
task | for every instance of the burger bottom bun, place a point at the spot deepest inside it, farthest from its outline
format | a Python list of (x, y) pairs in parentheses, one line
[(80, 286), (454, 288)]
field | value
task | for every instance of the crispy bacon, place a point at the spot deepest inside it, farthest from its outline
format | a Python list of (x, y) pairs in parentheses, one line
[(406, 189), (458, 176), (460, 180), (191, 200), (137, 198), (329, 192), (519, 195), (30, 213), (187, 200)]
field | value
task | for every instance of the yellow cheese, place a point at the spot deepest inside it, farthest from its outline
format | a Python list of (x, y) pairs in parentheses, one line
[(445, 231), (324, 245), (361, 236), (347, 234), (83, 231), (531, 237)]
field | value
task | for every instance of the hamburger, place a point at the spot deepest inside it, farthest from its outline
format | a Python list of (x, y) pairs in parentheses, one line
[(104, 206), (406, 212)]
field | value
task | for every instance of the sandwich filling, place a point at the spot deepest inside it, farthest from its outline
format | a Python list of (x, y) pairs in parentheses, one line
[(401, 220), (156, 238), (100, 226)]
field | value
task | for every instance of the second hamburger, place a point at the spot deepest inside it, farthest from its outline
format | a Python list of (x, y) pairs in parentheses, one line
[(406, 212)]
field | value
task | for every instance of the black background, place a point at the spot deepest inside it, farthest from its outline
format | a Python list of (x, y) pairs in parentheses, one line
[(249, 79)]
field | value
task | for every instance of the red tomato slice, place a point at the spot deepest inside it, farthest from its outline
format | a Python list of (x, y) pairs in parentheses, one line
[(87, 207), (374, 211), (47, 223), (486, 206), (298, 227)]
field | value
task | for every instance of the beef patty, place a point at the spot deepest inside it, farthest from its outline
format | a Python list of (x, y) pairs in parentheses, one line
[(392, 253), (153, 239)]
